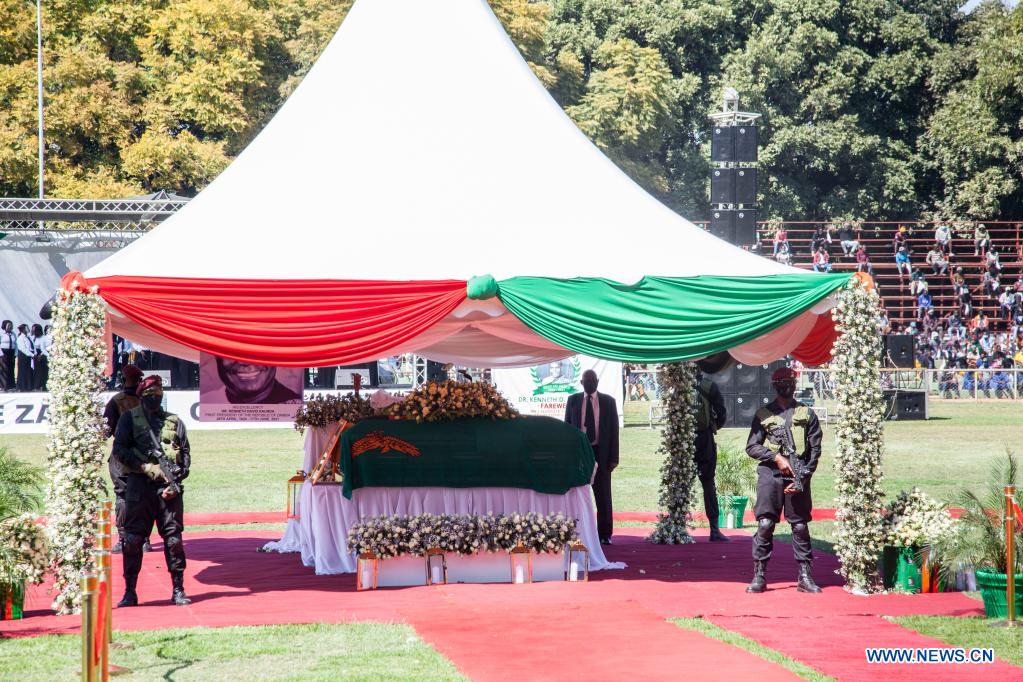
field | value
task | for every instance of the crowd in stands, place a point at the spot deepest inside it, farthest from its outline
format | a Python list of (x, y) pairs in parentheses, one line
[(953, 332)]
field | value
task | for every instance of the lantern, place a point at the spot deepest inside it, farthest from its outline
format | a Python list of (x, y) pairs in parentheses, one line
[(294, 486), (366, 572), (436, 567), (578, 562), (521, 565)]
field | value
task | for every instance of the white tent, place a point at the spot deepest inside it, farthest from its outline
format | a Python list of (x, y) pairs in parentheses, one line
[(421, 147)]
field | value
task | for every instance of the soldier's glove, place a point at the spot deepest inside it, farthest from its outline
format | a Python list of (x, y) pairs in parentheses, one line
[(154, 473)]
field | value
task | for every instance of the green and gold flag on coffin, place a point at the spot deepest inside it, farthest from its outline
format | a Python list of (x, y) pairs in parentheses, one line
[(539, 453)]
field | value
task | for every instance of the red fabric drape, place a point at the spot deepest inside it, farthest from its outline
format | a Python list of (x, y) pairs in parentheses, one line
[(815, 349), (286, 323)]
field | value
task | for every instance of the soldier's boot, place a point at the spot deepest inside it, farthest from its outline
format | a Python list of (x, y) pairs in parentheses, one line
[(759, 583), (805, 581), (178, 596), (130, 598), (717, 536), (132, 549)]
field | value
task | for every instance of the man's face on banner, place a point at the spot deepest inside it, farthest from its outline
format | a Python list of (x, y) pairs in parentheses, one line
[(244, 377)]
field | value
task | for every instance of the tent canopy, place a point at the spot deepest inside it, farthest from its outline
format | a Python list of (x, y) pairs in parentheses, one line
[(419, 152)]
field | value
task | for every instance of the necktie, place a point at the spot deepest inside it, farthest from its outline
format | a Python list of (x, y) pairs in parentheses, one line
[(591, 427)]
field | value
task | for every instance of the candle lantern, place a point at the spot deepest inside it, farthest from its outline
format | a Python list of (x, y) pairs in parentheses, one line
[(521, 564), (366, 575), (294, 487), (578, 565), (436, 567)]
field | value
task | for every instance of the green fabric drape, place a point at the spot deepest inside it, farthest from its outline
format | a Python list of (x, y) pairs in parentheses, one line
[(662, 319)]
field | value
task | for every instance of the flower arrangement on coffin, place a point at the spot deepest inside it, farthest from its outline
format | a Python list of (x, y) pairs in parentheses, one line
[(321, 410), (977, 538), (393, 536), (447, 400), (24, 558)]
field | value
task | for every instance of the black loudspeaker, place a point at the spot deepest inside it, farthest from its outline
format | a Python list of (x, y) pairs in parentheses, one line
[(899, 350), (905, 405), (722, 225), (722, 144), (722, 185), (745, 227), (745, 186), (745, 143), (742, 408), (746, 378)]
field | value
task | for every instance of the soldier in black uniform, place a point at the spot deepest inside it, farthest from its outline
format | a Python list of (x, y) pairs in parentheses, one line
[(785, 439), (120, 403), (152, 493), (711, 416)]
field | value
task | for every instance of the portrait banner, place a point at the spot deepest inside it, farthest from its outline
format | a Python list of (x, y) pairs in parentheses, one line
[(232, 391), (544, 389)]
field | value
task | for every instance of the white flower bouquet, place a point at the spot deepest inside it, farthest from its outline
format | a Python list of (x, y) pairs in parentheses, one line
[(916, 520)]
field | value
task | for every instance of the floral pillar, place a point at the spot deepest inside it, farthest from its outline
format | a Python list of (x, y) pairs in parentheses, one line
[(76, 444), (677, 381), (860, 437)]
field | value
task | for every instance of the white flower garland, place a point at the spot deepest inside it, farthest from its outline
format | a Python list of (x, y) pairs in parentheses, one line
[(677, 382), (76, 443), (859, 437)]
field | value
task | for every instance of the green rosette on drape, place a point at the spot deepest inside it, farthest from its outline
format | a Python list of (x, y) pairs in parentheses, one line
[(662, 319)]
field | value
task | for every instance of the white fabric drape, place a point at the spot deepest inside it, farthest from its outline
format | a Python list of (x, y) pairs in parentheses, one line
[(326, 515)]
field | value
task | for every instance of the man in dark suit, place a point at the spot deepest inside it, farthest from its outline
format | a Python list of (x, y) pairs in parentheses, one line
[(596, 414), (711, 416)]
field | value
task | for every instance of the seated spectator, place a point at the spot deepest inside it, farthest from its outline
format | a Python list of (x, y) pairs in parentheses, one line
[(917, 283), (781, 238), (902, 263), (821, 260), (821, 239), (783, 254), (990, 285), (943, 238), (1005, 303), (965, 299), (981, 240), (924, 304), (848, 239), (863, 261), (900, 240), (937, 260)]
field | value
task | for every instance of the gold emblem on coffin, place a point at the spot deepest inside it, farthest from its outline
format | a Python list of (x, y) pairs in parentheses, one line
[(378, 440)]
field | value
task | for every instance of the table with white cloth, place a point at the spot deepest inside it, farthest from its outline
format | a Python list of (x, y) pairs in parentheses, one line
[(325, 514)]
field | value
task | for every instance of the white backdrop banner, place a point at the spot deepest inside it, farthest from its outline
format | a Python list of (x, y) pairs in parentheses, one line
[(543, 390), (29, 413)]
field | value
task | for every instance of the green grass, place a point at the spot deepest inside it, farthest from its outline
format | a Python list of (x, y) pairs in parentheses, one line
[(717, 632), (246, 470), (357, 651), (969, 633), (953, 448)]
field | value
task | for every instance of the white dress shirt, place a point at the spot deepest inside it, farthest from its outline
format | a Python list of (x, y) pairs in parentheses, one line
[(7, 341), (25, 345), (596, 413)]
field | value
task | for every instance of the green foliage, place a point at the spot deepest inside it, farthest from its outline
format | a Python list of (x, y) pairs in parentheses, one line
[(978, 537), (872, 108), (20, 485), (736, 473)]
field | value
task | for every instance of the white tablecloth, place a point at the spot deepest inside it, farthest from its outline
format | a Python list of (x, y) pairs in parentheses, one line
[(326, 515)]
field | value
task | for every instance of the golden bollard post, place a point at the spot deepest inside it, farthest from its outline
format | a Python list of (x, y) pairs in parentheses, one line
[(106, 526), (1010, 554), (103, 609), (88, 626)]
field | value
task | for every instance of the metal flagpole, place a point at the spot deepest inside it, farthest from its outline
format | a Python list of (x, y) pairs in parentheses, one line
[(39, 92)]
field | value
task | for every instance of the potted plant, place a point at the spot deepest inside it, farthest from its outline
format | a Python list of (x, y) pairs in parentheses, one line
[(736, 481), (978, 539), (913, 522), (24, 555)]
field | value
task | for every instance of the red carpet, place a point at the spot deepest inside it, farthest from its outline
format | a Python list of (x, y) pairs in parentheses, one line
[(612, 627)]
